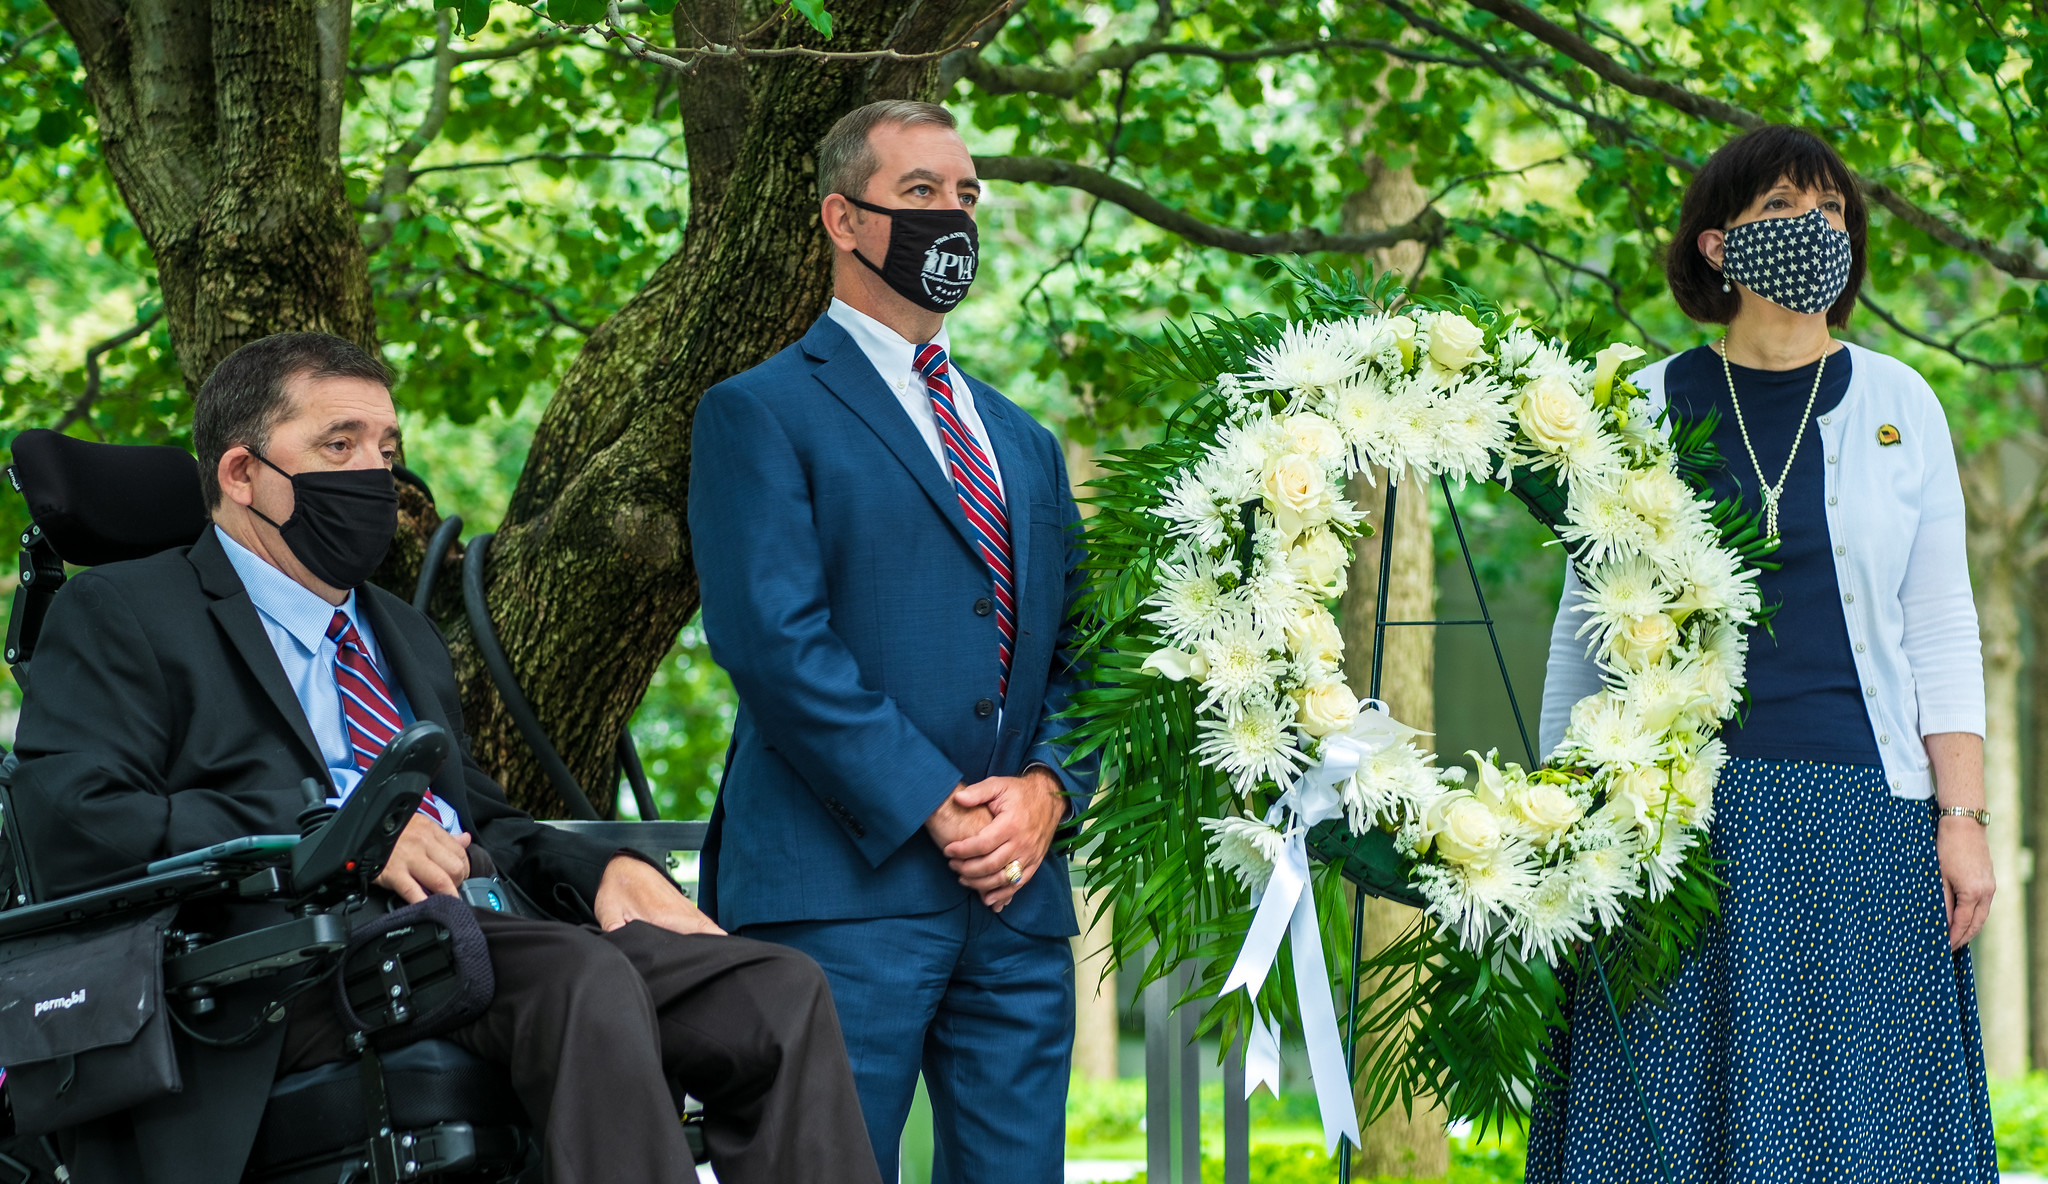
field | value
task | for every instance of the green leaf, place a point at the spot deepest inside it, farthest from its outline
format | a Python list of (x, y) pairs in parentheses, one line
[(475, 15), (54, 128), (1986, 55), (577, 12), (814, 12)]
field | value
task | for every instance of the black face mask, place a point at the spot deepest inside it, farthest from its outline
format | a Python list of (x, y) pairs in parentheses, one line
[(931, 255), (342, 521)]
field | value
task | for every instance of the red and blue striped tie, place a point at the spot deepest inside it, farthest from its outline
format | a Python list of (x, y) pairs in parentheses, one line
[(981, 496), (367, 707)]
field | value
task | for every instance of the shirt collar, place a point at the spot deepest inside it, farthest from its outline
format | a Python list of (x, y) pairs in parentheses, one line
[(885, 347), (296, 609)]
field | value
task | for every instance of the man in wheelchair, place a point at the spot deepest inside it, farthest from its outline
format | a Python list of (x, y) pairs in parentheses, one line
[(180, 701)]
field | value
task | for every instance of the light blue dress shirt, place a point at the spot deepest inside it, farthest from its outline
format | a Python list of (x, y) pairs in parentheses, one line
[(296, 619)]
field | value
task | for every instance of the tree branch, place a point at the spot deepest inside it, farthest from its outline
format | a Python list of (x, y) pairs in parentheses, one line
[(1952, 348), (83, 405), (1612, 285), (398, 174), (563, 157), (498, 53), (21, 46), (1706, 107), (1425, 227), (1067, 81), (674, 57), (553, 310)]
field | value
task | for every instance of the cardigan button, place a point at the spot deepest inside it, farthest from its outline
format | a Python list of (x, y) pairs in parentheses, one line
[(1870, 692), (1885, 739), (1831, 458), (1826, 419), (1848, 598), (1859, 647), (1841, 550), (1833, 500)]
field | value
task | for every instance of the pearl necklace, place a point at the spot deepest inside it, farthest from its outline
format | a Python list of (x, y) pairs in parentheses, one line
[(1771, 492)]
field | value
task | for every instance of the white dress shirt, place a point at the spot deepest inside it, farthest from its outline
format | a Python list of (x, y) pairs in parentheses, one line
[(1895, 517), (893, 358)]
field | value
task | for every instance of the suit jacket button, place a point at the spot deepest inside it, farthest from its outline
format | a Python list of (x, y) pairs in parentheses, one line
[(984, 607), (984, 708)]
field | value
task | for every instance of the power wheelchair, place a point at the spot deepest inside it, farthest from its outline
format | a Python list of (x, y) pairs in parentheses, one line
[(422, 1111)]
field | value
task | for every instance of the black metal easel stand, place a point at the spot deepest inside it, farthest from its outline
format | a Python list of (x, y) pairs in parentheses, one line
[(1379, 636)]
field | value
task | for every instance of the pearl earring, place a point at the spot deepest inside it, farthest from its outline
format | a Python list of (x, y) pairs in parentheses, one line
[(1725, 287)]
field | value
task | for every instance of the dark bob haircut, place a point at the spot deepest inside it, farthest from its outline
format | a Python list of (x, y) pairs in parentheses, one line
[(1743, 170), (244, 398)]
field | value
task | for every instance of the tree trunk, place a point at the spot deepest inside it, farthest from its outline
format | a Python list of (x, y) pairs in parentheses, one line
[(219, 122), (2000, 952), (591, 576), (2035, 833), (1397, 1144)]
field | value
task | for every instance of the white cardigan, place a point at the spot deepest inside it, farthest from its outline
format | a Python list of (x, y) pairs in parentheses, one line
[(1895, 515)]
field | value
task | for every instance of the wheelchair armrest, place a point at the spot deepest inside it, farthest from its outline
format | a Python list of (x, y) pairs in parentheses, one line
[(144, 895), (257, 953), (655, 840)]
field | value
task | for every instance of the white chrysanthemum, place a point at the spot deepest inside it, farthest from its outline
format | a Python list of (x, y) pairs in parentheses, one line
[(1244, 660), (1604, 872), (1414, 420), (1602, 525), (1516, 347), (1371, 338), (1198, 510), (1664, 693), (1548, 360), (1664, 851), (1191, 601), (1474, 900), (1306, 359), (1475, 423), (1396, 784), (1246, 848), (1608, 733), (1552, 913), (1253, 742), (1707, 577), (1616, 593), (1276, 593), (1247, 447)]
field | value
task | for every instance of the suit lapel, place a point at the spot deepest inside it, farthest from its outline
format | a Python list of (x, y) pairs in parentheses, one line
[(236, 613), (848, 374)]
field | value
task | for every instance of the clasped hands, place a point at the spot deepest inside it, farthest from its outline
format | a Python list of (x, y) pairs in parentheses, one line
[(982, 827), (428, 861)]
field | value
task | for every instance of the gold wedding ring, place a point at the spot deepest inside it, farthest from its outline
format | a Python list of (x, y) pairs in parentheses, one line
[(1013, 871)]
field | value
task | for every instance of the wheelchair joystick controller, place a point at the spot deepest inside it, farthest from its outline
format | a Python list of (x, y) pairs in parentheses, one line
[(317, 810), (342, 853)]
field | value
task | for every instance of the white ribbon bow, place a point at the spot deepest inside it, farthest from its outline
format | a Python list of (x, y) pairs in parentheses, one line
[(1288, 907)]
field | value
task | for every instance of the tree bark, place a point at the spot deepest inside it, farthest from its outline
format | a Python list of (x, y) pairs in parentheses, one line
[(219, 123), (591, 576), (1397, 1144), (2000, 951), (2035, 834)]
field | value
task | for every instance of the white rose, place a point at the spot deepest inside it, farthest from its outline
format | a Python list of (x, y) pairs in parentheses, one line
[(1454, 342), (1325, 708), (1313, 634), (1642, 642), (1552, 414), (1465, 830), (1605, 363), (1312, 435), (1642, 791), (1403, 330), (1320, 558), (1548, 809), (1297, 492), (1177, 664), (1656, 495)]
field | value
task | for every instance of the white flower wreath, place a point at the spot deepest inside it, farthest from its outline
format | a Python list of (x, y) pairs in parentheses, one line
[(1261, 529)]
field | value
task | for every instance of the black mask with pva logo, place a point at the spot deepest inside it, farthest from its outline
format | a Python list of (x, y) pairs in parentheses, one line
[(931, 255), (342, 521)]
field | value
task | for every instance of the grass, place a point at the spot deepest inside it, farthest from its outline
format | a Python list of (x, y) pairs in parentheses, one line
[(1104, 1122)]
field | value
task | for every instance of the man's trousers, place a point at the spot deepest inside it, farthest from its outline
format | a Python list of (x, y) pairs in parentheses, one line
[(984, 1012), (592, 1025)]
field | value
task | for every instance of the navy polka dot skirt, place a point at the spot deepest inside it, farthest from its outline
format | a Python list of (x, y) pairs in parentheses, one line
[(1821, 1031)]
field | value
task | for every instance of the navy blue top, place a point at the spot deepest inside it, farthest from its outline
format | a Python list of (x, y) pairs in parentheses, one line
[(1805, 700)]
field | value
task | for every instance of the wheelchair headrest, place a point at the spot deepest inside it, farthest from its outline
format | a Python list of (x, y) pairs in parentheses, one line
[(100, 503)]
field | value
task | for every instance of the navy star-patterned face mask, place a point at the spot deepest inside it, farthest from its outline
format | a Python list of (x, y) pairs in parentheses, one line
[(1798, 263)]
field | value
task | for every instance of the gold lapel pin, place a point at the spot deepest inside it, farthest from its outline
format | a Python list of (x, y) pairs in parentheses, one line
[(1887, 435)]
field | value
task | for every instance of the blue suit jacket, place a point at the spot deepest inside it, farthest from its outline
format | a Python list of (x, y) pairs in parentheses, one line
[(841, 594)]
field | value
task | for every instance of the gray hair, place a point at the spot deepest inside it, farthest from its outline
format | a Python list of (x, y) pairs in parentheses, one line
[(847, 161)]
